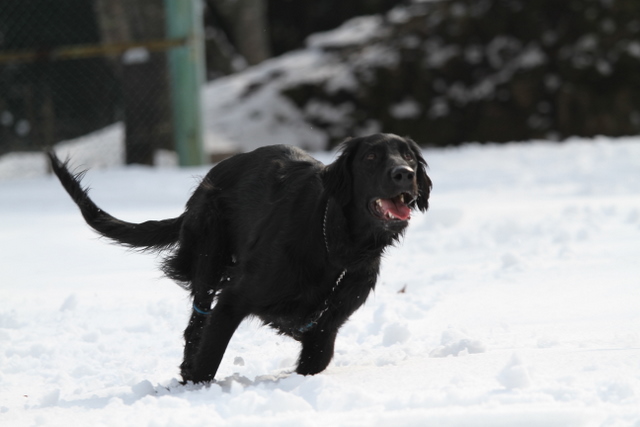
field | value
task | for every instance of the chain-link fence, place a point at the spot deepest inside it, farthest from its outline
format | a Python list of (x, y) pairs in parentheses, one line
[(71, 67)]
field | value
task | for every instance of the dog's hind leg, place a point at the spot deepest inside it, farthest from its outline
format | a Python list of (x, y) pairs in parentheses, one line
[(209, 279), (218, 328), (193, 333)]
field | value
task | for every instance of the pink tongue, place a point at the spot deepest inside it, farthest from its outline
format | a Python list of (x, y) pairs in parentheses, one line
[(399, 210)]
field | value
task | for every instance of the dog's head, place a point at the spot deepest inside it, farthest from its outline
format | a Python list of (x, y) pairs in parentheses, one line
[(381, 178)]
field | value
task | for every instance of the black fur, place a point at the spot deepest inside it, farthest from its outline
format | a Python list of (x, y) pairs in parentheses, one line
[(268, 233)]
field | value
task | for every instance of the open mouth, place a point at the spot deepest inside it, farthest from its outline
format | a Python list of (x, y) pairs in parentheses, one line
[(394, 209)]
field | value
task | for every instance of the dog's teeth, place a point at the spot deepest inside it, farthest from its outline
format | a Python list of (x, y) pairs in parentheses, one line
[(379, 202), (402, 198)]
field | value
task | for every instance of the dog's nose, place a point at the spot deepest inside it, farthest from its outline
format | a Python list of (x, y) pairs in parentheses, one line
[(402, 174)]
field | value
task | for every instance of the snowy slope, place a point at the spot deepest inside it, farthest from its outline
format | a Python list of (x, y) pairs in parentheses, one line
[(513, 302)]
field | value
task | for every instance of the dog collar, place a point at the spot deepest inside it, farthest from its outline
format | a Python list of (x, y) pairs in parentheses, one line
[(325, 305)]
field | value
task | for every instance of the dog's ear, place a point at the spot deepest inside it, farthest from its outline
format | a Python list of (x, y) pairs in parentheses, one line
[(338, 177), (424, 182)]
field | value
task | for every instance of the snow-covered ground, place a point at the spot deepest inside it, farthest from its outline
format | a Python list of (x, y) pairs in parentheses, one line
[(515, 301)]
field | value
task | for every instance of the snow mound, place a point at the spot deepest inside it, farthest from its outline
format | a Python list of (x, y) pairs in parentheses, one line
[(515, 374), (457, 343)]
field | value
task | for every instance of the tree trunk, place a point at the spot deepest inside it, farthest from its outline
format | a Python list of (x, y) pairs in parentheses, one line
[(248, 25), (143, 75)]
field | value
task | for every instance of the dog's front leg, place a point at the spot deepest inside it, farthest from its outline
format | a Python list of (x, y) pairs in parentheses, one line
[(317, 350), (217, 331)]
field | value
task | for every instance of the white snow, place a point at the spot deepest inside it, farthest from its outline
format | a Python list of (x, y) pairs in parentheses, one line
[(356, 31), (136, 55), (515, 301), (408, 108)]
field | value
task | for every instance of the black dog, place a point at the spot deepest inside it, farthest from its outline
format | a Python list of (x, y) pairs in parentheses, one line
[(278, 235)]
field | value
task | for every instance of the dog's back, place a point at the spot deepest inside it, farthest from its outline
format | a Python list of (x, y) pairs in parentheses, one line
[(240, 202)]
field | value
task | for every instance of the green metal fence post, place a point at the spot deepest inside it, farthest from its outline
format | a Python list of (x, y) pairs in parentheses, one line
[(186, 65)]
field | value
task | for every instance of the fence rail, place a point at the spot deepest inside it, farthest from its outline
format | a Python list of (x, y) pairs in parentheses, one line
[(86, 51)]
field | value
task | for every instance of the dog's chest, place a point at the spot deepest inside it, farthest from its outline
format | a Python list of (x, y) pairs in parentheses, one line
[(330, 301)]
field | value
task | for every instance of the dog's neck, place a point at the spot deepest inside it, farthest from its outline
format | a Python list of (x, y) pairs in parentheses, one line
[(324, 226), (315, 317), (340, 247), (331, 231), (339, 243)]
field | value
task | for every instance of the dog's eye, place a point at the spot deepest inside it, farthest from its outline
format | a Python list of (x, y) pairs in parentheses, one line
[(370, 156), (407, 156)]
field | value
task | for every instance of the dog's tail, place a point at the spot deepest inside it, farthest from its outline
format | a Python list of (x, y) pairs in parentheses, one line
[(149, 235)]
